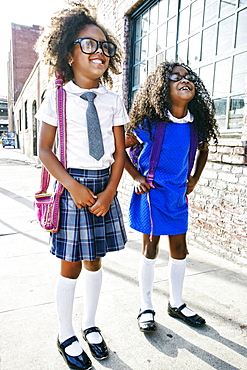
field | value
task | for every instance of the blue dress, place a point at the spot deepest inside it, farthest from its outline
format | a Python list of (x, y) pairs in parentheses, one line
[(169, 207)]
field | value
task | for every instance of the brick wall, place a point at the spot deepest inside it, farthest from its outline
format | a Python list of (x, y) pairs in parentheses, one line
[(24, 57), (218, 211)]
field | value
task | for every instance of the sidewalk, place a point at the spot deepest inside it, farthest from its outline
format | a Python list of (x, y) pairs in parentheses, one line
[(215, 288)]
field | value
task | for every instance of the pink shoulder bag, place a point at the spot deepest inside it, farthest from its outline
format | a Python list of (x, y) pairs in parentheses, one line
[(47, 206)]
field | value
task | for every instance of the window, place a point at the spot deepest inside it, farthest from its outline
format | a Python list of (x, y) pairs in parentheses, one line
[(236, 112), (220, 106), (171, 32), (194, 48), (26, 120), (211, 10), (239, 72), (184, 20), (241, 39), (173, 7), (206, 74), (20, 121), (225, 35), (209, 35), (154, 39), (182, 51), (227, 7), (208, 43), (196, 16), (222, 77)]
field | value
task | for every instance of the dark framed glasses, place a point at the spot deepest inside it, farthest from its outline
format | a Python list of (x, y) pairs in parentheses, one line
[(90, 46), (178, 77)]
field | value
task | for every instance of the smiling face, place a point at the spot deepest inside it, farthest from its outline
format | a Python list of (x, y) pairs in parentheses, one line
[(88, 68), (183, 91)]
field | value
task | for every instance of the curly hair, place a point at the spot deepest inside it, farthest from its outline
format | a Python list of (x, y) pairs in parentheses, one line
[(152, 101), (52, 45)]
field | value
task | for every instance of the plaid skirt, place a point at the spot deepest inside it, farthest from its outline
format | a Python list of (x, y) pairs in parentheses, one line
[(82, 235)]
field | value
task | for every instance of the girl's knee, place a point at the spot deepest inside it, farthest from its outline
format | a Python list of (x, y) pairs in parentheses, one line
[(71, 270), (92, 265), (178, 247), (150, 249)]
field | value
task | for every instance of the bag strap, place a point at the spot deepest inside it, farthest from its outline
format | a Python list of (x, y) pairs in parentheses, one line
[(193, 147), (61, 114), (155, 151)]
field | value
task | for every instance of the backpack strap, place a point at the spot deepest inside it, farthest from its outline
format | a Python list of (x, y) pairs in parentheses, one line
[(61, 114), (155, 151), (193, 147), (153, 162)]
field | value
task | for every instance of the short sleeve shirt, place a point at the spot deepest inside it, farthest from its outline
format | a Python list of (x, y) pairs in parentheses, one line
[(111, 112)]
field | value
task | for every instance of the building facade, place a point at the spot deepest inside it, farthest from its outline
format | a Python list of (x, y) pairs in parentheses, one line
[(21, 61), (210, 36)]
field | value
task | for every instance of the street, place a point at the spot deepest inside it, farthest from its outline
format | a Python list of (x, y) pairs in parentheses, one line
[(215, 288)]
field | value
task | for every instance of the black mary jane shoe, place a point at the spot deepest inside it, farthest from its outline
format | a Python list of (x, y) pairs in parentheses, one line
[(98, 350), (146, 326), (81, 362), (194, 320)]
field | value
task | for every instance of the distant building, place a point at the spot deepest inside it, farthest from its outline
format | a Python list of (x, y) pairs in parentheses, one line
[(22, 59), (3, 115)]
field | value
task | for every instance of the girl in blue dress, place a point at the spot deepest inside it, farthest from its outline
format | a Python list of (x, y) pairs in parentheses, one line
[(173, 94)]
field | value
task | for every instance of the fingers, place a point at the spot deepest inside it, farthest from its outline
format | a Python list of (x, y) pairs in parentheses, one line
[(97, 212), (88, 203), (142, 188)]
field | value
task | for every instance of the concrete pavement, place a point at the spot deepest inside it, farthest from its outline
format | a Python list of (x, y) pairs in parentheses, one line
[(215, 288)]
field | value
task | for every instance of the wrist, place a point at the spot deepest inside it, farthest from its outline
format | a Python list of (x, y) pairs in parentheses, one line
[(110, 191), (70, 183)]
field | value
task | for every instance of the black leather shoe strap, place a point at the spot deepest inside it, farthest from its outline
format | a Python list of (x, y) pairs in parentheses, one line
[(179, 309), (93, 329), (146, 311), (68, 342)]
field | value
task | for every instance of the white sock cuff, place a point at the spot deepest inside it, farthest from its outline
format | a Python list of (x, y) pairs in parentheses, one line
[(176, 261), (147, 261), (95, 273), (66, 280)]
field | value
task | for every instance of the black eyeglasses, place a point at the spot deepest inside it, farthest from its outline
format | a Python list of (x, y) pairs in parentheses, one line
[(90, 46), (178, 77)]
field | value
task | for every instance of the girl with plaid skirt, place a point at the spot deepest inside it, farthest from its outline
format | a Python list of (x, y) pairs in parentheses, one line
[(91, 222)]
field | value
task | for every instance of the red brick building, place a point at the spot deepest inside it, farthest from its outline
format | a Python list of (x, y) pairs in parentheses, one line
[(22, 59)]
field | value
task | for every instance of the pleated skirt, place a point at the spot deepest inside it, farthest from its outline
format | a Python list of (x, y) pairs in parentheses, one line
[(82, 235)]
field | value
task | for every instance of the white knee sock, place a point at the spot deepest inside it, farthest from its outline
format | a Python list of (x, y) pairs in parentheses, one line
[(64, 297), (146, 279), (92, 281), (176, 272)]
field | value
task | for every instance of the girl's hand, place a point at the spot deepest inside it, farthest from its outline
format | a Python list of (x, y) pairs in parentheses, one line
[(82, 195), (141, 185), (191, 183), (130, 140), (102, 204)]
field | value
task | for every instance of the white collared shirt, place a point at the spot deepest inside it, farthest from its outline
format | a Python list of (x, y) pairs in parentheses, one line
[(111, 112), (188, 118)]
